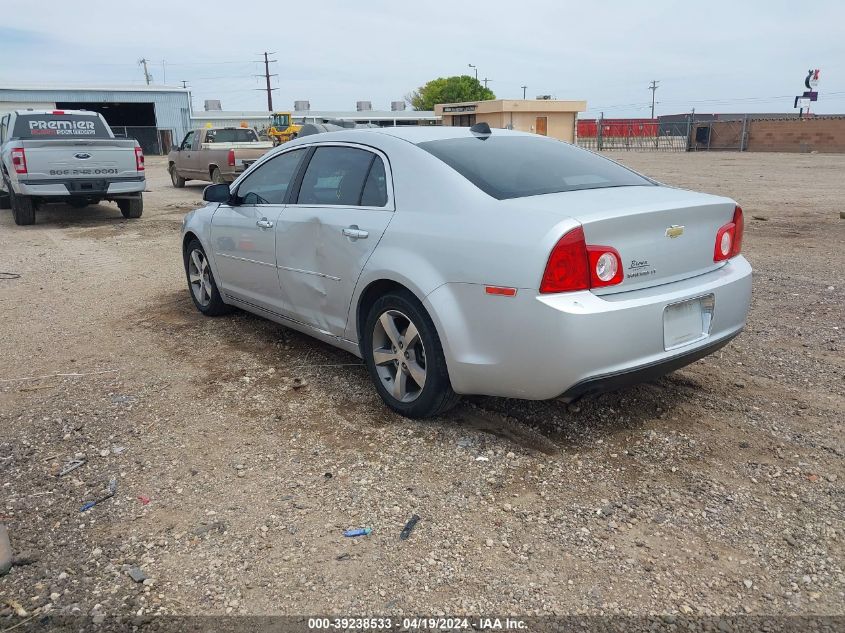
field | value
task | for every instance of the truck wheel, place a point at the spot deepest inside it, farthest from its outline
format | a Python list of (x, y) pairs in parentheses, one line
[(5, 201), (23, 210), (175, 178), (131, 207), (216, 177)]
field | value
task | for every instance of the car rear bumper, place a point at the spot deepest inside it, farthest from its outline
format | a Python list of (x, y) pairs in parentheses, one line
[(81, 187), (545, 346)]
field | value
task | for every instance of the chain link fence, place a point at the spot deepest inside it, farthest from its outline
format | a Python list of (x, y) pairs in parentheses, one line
[(634, 134)]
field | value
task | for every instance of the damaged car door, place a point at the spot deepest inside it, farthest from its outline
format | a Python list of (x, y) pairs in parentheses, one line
[(326, 235), (244, 236)]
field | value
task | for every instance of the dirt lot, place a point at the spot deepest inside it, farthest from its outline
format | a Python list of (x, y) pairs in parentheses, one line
[(717, 490)]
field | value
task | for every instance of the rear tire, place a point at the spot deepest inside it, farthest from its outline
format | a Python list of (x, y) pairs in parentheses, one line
[(201, 284), (398, 325), (175, 178), (131, 208), (217, 177), (23, 209)]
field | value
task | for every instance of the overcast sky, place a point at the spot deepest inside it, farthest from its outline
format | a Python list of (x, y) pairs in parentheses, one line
[(740, 56)]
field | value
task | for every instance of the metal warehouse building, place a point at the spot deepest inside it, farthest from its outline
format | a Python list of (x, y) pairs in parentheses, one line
[(157, 116)]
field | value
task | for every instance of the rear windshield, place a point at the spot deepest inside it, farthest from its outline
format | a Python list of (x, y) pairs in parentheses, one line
[(518, 166), (236, 135), (29, 126)]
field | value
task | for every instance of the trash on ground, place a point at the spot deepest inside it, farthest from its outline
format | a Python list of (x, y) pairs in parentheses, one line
[(70, 466), (144, 499), (357, 532), (112, 489), (5, 551), (299, 383), (409, 527), (137, 574), (482, 459), (17, 608)]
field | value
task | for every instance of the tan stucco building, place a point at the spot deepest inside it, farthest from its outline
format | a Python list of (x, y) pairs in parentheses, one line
[(542, 116)]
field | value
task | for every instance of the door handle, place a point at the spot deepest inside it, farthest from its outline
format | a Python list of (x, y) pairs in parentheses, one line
[(354, 233), (264, 223)]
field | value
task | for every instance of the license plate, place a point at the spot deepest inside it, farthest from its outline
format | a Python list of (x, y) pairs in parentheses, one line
[(687, 321)]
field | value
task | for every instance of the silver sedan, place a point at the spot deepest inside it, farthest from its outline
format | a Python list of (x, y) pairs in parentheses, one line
[(473, 261)]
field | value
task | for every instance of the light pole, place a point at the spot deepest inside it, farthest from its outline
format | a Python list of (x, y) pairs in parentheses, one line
[(524, 88), (476, 70)]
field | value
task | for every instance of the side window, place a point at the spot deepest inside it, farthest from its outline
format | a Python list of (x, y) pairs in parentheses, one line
[(4, 125), (269, 183), (375, 188), (335, 175), (186, 143)]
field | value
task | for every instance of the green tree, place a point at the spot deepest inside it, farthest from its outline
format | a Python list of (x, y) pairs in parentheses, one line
[(449, 90)]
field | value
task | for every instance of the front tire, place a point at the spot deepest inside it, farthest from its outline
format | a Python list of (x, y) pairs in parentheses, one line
[(131, 208), (23, 209), (404, 356), (175, 178), (201, 284)]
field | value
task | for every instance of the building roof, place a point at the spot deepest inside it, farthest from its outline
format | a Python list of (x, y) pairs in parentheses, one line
[(343, 115), (92, 88)]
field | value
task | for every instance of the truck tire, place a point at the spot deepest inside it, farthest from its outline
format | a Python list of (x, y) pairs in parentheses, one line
[(175, 178), (5, 201), (23, 210), (216, 177), (131, 208)]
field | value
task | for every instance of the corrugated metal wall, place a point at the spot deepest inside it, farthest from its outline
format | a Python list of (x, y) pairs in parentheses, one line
[(172, 107)]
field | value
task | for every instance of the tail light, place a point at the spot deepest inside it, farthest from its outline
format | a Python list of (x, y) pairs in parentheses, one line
[(139, 159), (19, 160), (573, 265), (231, 158), (729, 238)]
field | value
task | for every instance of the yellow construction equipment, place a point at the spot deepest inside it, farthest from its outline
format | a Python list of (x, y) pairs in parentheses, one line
[(282, 129)]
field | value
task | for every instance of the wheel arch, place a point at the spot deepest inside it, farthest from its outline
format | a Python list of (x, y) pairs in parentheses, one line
[(211, 168)]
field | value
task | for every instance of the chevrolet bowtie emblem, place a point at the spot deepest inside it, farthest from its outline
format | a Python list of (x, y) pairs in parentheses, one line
[(674, 231)]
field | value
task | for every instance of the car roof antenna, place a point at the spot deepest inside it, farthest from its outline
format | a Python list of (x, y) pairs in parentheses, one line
[(481, 128)]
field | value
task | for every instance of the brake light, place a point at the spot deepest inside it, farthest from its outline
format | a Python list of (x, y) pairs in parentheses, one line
[(567, 268), (740, 230), (139, 159), (58, 111), (231, 158), (19, 160), (573, 265), (729, 238)]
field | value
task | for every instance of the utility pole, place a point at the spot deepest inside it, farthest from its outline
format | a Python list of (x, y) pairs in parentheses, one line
[(476, 70), (524, 88), (185, 84), (485, 80), (267, 75), (147, 76), (653, 87)]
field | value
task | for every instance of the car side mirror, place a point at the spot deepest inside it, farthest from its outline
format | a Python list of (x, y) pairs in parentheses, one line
[(217, 193), (176, 148)]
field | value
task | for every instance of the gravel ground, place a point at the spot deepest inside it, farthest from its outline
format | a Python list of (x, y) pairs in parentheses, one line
[(716, 490)]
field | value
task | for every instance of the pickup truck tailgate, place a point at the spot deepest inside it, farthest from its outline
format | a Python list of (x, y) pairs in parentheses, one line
[(56, 159)]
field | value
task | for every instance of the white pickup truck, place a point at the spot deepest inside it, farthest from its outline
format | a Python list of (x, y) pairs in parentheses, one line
[(68, 156)]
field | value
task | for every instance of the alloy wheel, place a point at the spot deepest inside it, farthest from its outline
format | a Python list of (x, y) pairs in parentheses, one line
[(199, 275), (399, 355)]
